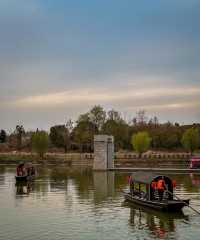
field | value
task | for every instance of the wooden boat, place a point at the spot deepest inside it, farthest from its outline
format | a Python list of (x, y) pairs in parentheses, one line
[(142, 193), (195, 162), (25, 172), (154, 212), (24, 178)]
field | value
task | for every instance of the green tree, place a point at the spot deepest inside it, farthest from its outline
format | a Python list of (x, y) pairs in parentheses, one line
[(59, 136), (114, 116), (97, 116), (164, 137), (118, 128), (141, 142), (85, 117), (83, 133), (40, 142), (191, 139)]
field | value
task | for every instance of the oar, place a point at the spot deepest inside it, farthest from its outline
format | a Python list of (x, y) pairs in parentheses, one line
[(184, 202)]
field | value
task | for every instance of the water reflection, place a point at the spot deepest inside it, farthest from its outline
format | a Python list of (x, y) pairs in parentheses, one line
[(104, 185), (185, 182), (195, 178), (160, 225), (2, 175), (66, 203), (24, 188)]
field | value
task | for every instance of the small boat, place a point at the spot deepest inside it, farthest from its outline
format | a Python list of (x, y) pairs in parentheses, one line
[(25, 172), (142, 193), (24, 178), (195, 162)]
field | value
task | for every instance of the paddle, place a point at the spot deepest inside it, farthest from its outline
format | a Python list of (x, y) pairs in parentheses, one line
[(184, 202)]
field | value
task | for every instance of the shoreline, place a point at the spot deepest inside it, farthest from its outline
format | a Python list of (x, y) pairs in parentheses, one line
[(122, 160)]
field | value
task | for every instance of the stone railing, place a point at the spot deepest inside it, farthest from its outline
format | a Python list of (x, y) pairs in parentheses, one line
[(152, 156)]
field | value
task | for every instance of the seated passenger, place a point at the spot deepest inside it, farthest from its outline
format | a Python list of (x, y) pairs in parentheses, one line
[(20, 169), (32, 171)]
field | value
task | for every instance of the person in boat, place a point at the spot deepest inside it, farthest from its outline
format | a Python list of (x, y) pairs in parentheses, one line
[(154, 187), (161, 186), (21, 171), (30, 169)]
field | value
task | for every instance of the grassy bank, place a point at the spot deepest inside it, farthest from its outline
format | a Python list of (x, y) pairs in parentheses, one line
[(15, 158)]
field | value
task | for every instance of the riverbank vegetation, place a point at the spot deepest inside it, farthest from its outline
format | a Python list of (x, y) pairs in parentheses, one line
[(141, 142), (40, 142), (77, 136)]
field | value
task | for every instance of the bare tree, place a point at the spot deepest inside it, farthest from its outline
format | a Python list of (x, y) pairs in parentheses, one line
[(141, 117), (19, 131), (155, 121)]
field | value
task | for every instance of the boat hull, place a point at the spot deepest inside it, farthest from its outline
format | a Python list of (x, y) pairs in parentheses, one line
[(167, 206), (24, 178)]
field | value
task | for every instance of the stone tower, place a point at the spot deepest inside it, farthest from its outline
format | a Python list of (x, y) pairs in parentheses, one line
[(103, 152)]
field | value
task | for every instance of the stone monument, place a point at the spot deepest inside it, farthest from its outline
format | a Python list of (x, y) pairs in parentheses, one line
[(103, 152)]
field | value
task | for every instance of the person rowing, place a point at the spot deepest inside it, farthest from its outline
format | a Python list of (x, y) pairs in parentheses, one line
[(161, 186)]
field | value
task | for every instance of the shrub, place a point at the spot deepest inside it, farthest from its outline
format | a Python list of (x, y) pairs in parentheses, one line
[(191, 140), (40, 142), (141, 142)]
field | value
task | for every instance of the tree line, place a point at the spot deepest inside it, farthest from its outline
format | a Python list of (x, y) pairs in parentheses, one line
[(77, 136)]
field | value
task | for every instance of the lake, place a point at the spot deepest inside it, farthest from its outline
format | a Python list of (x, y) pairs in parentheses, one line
[(80, 204)]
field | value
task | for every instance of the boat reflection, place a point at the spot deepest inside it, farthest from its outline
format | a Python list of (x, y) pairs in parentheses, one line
[(160, 225), (24, 188), (195, 179)]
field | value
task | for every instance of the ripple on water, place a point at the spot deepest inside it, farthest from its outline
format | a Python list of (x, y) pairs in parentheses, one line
[(77, 207)]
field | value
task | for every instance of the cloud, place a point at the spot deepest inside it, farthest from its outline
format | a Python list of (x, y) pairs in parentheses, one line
[(177, 103), (165, 107), (65, 56), (111, 95)]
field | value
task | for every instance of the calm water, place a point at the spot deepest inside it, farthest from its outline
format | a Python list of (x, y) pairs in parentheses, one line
[(80, 204)]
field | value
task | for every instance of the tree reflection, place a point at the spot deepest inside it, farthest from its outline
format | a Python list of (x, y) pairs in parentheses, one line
[(2, 175), (83, 181), (104, 186)]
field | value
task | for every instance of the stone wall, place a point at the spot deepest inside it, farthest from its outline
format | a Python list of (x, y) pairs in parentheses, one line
[(87, 159)]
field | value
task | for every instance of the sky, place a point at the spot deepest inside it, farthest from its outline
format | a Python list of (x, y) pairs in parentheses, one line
[(60, 58)]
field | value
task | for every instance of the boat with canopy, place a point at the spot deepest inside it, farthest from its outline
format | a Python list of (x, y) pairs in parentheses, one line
[(143, 191)]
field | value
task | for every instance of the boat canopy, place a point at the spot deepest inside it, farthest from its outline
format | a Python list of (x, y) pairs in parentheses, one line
[(147, 177)]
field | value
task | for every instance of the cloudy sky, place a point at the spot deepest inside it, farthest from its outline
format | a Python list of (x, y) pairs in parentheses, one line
[(59, 58)]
